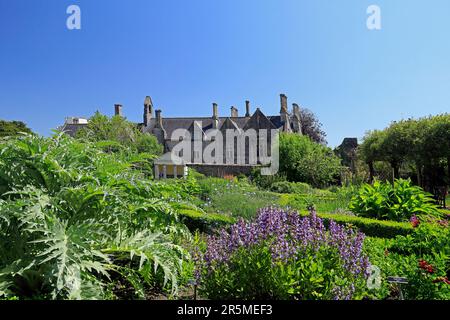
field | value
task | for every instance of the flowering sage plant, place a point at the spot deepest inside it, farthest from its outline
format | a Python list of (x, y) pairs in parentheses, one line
[(283, 255)]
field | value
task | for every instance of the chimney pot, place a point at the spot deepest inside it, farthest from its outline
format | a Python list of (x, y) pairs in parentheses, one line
[(247, 108)]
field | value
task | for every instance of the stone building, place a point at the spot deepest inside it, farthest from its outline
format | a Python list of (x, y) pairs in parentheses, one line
[(166, 128)]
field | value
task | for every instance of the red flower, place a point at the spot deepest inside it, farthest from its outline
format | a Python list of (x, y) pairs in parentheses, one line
[(414, 221), (426, 266)]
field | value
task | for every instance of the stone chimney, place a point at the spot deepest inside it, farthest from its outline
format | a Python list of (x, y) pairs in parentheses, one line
[(296, 119), (215, 116), (158, 119), (148, 110), (158, 130), (296, 110), (247, 109), (118, 110), (234, 112), (283, 101)]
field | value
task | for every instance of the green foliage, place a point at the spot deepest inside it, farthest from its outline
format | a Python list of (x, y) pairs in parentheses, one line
[(303, 160), (12, 128), (422, 145), (75, 220), (251, 274), (290, 187), (265, 182), (196, 219), (402, 256), (117, 134), (321, 200), (398, 202), (370, 227)]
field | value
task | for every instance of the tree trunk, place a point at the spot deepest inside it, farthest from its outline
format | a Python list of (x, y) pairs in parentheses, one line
[(371, 171), (419, 174), (396, 171)]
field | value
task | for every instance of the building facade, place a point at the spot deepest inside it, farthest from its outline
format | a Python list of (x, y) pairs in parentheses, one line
[(232, 156)]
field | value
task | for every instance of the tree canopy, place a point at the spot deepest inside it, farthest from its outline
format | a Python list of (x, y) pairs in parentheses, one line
[(422, 143), (312, 127), (303, 160), (12, 128), (117, 133)]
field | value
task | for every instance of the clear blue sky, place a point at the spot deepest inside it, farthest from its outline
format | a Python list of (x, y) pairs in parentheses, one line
[(188, 54)]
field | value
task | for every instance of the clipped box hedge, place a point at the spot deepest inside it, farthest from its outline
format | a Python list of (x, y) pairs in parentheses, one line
[(370, 227), (196, 219)]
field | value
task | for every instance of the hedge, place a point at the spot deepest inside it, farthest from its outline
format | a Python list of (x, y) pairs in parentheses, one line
[(196, 219), (370, 227)]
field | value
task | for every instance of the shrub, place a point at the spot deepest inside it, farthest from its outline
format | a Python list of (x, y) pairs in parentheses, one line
[(264, 182), (422, 257), (283, 256), (302, 160), (290, 187), (398, 202)]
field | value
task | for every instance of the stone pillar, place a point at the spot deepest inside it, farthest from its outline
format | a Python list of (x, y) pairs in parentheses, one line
[(175, 171), (164, 171), (156, 171)]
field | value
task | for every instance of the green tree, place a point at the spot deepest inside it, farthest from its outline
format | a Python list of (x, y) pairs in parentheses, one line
[(116, 133), (302, 160), (12, 128), (370, 150)]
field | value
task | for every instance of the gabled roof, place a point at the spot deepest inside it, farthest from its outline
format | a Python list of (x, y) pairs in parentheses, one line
[(259, 121), (229, 124)]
